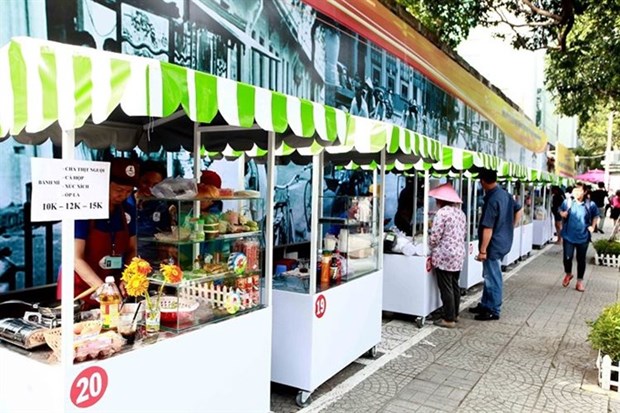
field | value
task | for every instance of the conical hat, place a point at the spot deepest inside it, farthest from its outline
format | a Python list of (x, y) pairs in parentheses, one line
[(446, 193)]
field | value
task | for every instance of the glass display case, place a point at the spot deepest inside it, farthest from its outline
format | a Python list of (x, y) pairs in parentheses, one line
[(527, 204), (349, 240), (221, 255), (348, 246), (542, 202)]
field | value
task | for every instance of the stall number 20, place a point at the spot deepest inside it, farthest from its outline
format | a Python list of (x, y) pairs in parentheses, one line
[(320, 306), (89, 387)]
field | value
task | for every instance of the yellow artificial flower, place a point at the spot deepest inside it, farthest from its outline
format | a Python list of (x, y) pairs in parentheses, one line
[(172, 273), (143, 267), (136, 266), (137, 285)]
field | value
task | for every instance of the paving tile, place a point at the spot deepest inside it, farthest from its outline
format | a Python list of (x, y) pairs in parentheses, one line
[(283, 397), (358, 401), (534, 359), (384, 383), (478, 362), (400, 406), (504, 391), (565, 395), (412, 362), (532, 372)]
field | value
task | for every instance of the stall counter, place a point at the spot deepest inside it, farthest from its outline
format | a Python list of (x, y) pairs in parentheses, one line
[(409, 286), (543, 231), (331, 330), (191, 372), (472, 269), (515, 252), (527, 235)]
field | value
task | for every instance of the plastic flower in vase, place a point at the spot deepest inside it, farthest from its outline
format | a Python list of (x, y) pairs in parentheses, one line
[(135, 277), (172, 274)]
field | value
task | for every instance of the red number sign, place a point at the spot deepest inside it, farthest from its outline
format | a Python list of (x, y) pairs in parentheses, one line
[(89, 387), (320, 306)]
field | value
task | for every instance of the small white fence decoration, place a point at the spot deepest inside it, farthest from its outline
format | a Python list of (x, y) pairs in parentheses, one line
[(216, 294), (606, 369), (607, 260)]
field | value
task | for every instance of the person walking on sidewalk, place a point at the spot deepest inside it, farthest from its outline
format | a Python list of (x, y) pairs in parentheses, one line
[(598, 197), (580, 218), (500, 213), (447, 250), (556, 202), (615, 207)]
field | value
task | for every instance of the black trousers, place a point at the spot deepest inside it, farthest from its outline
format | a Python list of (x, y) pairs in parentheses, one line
[(448, 282), (569, 252)]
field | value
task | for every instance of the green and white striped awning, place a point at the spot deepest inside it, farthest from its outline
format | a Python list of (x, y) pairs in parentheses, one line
[(45, 82)]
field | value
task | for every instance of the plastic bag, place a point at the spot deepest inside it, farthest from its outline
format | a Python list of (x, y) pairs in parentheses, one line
[(175, 188)]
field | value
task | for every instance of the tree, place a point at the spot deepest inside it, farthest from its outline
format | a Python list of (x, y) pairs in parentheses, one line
[(593, 133), (582, 39)]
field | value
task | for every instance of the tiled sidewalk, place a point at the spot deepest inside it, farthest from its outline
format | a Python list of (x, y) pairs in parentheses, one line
[(534, 359)]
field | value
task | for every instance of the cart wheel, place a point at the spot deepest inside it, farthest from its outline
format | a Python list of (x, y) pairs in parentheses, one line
[(372, 353), (303, 398), (420, 322)]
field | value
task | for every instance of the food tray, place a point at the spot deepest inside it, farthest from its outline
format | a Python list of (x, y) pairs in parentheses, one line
[(172, 308), (88, 343)]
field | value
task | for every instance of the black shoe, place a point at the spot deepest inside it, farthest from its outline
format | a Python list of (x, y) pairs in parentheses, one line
[(486, 316), (477, 309), (600, 231)]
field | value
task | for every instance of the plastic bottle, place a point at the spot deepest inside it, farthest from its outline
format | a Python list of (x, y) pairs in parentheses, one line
[(110, 300), (326, 260)]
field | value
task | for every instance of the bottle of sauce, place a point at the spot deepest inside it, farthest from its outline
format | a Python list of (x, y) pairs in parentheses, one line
[(110, 301), (336, 275), (326, 260)]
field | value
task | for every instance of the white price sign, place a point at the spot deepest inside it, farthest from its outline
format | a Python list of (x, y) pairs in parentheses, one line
[(69, 189)]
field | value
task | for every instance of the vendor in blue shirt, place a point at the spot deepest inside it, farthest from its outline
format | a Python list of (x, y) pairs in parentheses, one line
[(580, 217), (154, 215), (500, 214)]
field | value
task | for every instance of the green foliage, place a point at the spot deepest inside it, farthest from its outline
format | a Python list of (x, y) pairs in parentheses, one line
[(586, 77), (593, 133), (605, 332), (582, 38), (450, 20), (607, 247)]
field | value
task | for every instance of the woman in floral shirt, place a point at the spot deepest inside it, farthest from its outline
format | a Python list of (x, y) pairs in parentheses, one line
[(447, 242)]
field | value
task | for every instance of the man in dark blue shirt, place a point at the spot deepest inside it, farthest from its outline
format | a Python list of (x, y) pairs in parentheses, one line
[(496, 231), (580, 218)]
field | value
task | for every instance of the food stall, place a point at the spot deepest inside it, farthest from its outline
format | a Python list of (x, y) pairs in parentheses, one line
[(415, 291), (473, 198), (541, 199), (509, 174), (527, 226), (72, 94), (327, 307)]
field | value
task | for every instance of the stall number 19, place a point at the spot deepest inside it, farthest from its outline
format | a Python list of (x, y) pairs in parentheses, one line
[(320, 306), (89, 387)]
